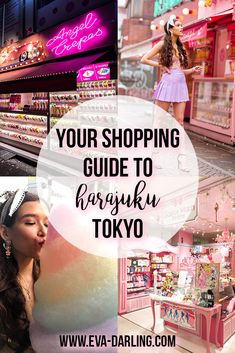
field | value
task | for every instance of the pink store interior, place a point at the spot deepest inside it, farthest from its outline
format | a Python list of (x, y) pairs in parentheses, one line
[(188, 283)]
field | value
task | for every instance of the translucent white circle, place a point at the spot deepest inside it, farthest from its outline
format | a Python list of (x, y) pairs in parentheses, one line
[(121, 174)]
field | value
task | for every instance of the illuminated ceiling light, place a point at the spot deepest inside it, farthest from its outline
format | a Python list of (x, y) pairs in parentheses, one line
[(201, 3), (141, 19), (153, 27), (162, 22)]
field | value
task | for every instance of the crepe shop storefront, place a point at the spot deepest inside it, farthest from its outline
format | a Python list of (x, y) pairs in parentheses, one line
[(50, 73)]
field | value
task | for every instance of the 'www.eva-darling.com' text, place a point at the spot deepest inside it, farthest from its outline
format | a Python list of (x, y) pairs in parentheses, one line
[(95, 341)]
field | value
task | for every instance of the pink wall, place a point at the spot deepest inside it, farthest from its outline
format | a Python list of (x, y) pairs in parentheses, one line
[(219, 6), (182, 237), (187, 237)]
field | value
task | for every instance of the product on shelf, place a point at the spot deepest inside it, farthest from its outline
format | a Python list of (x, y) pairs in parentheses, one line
[(4, 101), (107, 84), (213, 103), (26, 128), (138, 274), (58, 110), (31, 140), (96, 93)]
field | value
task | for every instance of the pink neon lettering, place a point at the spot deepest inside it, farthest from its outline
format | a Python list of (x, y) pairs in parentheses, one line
[(73, 33), (64, 45)]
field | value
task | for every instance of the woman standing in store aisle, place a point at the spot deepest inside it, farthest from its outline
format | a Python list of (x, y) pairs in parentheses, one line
[(23, 230), (174, 61)]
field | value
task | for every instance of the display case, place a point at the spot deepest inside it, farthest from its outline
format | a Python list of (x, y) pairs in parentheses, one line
[(159, 269), (63, 102), (137, 278), (213, 109), (26, 118), (134, 282), (203, 50)]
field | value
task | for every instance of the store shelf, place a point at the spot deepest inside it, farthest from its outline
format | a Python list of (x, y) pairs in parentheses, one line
[(30, 130), (209, 121), (136, 295), (165, 263), (214, 95), (216, 111), (137, 273), (200, 46), (22, 138), (201, 60), (64, 102), (27, 112), (130, 290)]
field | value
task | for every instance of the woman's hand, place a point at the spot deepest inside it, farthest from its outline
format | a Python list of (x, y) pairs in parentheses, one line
[(197, 69)]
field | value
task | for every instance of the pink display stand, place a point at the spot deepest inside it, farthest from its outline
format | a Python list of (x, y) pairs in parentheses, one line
[(208, 313)]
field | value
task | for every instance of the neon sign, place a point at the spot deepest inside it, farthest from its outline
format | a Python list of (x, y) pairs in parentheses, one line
[(76, 38)]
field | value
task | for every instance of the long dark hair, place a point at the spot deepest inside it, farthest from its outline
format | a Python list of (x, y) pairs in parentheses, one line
[(14, 323), (166, 55)]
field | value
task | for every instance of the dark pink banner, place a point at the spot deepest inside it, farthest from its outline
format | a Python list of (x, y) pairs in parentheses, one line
[(194, 33)]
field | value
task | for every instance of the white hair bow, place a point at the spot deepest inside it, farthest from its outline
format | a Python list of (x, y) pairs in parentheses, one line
[(12, 204), (170, 22)]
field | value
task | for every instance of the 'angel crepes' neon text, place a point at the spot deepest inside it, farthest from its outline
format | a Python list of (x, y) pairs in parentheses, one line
[(77, 37)]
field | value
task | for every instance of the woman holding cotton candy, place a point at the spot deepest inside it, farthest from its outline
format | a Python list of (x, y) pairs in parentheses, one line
[(174, 61), (23, 230)]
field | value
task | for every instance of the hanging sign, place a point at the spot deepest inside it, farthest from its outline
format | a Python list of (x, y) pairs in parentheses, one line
[(194, 33)]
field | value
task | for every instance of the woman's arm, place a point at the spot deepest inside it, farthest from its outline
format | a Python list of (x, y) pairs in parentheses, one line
[(147, 58), (193, 70)]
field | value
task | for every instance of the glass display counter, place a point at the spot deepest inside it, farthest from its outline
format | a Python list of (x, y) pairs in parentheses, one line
[(212, 107), (26, 118)]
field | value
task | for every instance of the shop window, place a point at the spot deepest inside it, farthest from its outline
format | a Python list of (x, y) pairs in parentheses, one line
[(136, 79)]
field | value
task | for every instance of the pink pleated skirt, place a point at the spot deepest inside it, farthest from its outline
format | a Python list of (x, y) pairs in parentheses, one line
[(172, 87)]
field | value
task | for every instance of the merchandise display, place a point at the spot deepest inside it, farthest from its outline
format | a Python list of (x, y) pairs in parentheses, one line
[(160, 268), (138, 274), (212, 105), (26, 129), (26, 118), (202, 53)]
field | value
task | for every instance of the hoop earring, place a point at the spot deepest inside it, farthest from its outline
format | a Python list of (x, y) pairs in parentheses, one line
[(7, 247)]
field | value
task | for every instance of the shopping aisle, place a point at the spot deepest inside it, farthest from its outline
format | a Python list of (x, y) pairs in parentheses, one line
[(139, 323)]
